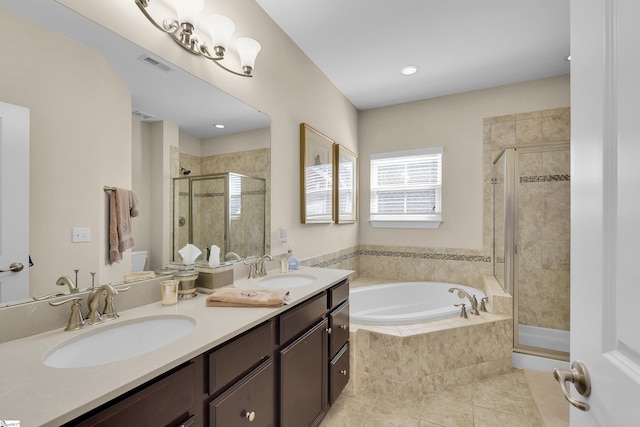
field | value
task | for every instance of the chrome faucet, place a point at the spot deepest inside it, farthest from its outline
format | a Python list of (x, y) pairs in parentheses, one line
[(93, 301), (232, 256), (76, 321), (66, 280), (261, 270), (472, 299)]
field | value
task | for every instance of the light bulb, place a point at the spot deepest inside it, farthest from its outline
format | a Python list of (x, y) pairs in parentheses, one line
[(221, 28), (248, 51), (188, 10)]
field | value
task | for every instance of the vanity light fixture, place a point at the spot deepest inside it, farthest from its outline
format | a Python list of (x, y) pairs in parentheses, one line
[(182, 29), (409, 70)]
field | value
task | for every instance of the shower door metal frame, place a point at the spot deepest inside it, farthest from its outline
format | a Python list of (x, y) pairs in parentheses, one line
[(511, 241), (227, 217)]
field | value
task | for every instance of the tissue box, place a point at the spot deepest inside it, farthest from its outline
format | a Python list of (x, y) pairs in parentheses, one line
[(210, 278)]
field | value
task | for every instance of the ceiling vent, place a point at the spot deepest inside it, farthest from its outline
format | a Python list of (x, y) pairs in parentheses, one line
[(148, 59), (141, 115)]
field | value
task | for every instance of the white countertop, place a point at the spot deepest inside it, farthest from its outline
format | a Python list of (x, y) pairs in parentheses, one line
[(39, 395)]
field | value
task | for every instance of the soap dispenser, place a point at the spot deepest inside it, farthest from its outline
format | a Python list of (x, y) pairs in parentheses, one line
[(294, 262)]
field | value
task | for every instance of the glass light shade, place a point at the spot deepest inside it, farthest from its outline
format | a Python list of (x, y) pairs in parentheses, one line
[(248, 51), (188, 10), (221, 28)]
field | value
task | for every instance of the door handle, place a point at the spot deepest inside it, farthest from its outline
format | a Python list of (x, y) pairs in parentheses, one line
[(14, 267), (579, 376)]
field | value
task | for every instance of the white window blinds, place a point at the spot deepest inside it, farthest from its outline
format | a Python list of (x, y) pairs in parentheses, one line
[(406, 188)]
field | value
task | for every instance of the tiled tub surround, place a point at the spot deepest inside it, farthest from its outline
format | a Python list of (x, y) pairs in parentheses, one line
[(405, 360)]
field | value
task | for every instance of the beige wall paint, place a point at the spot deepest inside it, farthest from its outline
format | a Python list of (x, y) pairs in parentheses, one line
[(73, 152), (454, 122), (287, 86)]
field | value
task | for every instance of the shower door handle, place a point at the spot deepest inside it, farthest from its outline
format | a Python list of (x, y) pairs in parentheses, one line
[(14, 267), (579, 376)]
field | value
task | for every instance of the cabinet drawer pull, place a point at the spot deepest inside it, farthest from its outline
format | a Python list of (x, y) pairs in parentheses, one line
[(189, 422), (343, 327), (343, 372), (329, 331), (250, 415)]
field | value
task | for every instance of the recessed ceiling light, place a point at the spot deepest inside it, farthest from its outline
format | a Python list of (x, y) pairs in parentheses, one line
[(409, 70), (219, 126)]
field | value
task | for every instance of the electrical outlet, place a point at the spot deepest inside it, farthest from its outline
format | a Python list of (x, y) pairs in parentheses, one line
[(80, 234)]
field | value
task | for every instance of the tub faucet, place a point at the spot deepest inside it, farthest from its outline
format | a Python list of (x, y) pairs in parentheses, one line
[(472, 299)]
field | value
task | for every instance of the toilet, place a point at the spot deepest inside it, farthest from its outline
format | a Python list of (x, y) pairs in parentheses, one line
[(138, 260)]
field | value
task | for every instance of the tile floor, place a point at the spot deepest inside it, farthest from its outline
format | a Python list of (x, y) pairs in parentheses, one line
[(504, 400)]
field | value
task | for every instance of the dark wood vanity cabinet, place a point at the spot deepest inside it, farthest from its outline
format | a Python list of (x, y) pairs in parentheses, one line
[(285, 372), (169, 400)]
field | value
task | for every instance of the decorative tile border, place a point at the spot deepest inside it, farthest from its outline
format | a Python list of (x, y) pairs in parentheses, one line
[(400, 254), (337, 260), (544, 178), (220, 194), (424, 255)]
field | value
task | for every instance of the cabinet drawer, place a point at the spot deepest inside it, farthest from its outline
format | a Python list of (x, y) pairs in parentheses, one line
[(251, 402), (239, 356), (339, 373), (168, 401), (338, 294), (339, 324), (298, 319)]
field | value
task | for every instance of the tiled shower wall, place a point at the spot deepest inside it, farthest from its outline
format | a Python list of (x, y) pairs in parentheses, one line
[(544, 212)]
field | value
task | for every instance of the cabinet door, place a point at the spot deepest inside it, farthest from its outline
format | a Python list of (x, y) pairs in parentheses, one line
[(303, 379), (251, 402)]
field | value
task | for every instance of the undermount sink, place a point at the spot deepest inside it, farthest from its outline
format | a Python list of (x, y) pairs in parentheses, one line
[(286, 281), (119, 341)]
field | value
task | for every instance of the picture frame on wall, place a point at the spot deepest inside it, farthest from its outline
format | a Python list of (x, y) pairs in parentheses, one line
[(316, 176), (345, 199)]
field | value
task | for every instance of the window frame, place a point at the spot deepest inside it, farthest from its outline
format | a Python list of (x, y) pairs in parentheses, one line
[(421, 220)]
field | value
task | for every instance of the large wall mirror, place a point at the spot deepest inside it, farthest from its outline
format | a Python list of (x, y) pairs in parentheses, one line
[(69, 193)]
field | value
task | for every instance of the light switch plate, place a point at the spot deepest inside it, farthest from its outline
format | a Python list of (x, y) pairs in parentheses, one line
[(80, 234)]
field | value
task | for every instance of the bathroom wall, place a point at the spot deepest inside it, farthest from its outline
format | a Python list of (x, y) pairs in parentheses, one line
[(460, 250), (286, 86)]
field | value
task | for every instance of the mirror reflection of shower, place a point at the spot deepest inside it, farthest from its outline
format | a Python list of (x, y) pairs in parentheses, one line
[(531, 237), (226, 209)]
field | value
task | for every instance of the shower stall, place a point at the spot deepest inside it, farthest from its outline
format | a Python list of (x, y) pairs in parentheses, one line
[(531, 238), (225, 209)]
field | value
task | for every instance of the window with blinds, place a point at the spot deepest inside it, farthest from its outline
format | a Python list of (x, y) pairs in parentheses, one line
[(406, 189)]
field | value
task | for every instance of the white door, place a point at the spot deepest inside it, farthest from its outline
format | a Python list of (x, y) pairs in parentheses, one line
[(14, 202), (605, 208)]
